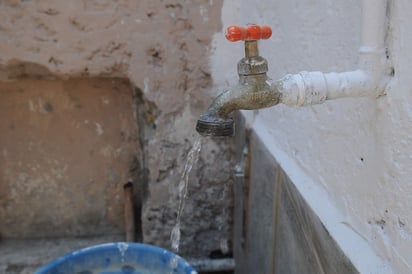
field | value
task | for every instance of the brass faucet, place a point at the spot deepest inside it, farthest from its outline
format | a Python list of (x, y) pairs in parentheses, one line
[(253, 91)]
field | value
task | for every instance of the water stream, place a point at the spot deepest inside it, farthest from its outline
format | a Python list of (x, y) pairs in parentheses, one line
[(192, 158)]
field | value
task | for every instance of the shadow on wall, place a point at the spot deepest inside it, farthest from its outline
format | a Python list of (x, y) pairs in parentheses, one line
[(280, 233), (67, 149)]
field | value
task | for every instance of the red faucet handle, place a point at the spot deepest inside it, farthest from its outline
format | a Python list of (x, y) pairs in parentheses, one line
[(250, 32)]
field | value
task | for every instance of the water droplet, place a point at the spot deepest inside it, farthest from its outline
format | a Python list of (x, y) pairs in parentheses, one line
[(175, 238), (173, 262), (224, 247)]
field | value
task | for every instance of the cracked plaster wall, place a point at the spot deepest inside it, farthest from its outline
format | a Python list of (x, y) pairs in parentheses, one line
[(162, 48)]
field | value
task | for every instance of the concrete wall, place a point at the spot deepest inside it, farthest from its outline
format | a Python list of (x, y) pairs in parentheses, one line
[(67, 150), (349, 158), (162, 49), (279, 232)]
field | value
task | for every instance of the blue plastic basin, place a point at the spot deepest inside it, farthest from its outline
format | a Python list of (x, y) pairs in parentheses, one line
[(118, 258)]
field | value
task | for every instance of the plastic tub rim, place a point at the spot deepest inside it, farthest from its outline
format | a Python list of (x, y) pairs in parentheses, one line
[(107, 246)]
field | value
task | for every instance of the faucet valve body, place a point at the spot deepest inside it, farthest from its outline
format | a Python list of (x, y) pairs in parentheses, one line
[(252, 63)]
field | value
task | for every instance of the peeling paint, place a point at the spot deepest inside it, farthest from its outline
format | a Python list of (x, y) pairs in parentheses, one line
[(203, 14), (99, 129), (105, 101), (31, 106), (146, 85)]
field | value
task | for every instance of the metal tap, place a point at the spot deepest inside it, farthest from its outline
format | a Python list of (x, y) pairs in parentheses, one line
[(253, 91)]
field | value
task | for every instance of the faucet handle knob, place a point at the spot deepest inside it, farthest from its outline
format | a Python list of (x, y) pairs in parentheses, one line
[(250, 32)]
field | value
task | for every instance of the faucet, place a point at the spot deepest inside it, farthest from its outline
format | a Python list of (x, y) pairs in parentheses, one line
[(254, 90)]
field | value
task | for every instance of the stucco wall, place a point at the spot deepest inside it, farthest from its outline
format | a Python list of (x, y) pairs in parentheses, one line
[(162, 48), (350, 158), (67, 149)]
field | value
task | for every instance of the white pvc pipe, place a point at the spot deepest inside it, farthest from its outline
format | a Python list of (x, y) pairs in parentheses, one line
[(373, 24), (370, 79)]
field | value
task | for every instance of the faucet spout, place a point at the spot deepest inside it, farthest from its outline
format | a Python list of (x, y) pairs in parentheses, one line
[(252, 92)]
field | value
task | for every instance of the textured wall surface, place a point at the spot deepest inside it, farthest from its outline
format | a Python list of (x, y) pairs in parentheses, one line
[(67, 148), (163, 48), (281, 233), (351, 158)]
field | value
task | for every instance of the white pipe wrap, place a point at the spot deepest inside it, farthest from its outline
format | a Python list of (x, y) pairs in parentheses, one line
[(304, 88), (308, 88)]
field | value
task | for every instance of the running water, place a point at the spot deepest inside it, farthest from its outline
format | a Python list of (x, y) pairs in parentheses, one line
[(192, 158)]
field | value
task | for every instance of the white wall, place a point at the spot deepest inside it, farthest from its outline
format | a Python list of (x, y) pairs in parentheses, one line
[(350, 158)]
